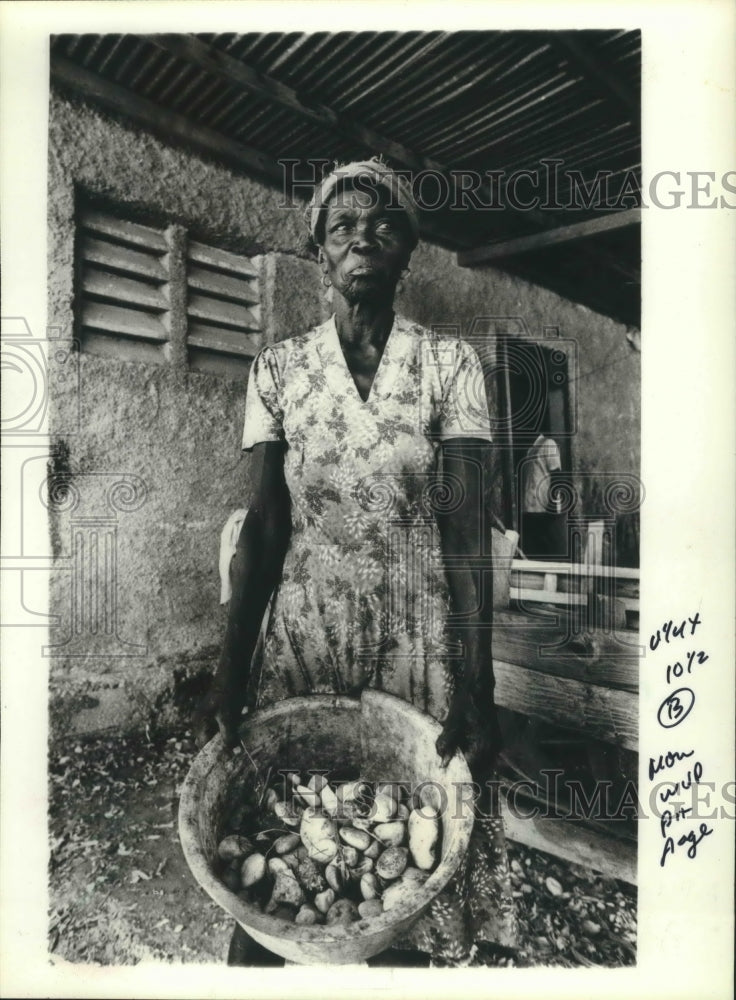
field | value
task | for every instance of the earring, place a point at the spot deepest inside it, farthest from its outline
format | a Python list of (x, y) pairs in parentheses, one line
[(325, 280)]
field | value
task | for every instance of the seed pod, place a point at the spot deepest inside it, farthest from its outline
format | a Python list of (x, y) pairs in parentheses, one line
[(287, 843), (392, 863), (365, 866), (234, 847), (286, 814), (383, 808), (270, 798), (350, 856), (391, 834), (317, 833), (324, 900), (374, 850), (310, 876), (352, 790), (389, 788), (308, 796), (287, 890), (370, 908), (329, 801), (252, 870), (349, 811), (306, 916), (277, 865), (317, 782), (369, 888), (334, 876), (424, 828), (358, 839)]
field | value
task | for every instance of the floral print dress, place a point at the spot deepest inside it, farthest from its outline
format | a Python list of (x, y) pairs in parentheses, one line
[(363, 597)]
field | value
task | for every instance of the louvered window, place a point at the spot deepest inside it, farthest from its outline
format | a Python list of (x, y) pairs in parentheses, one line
[(223, 311), (124, 287), (155, 295)]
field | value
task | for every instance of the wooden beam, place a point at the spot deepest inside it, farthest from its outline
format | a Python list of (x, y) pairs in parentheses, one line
[(550, 237), (612, 856), (540, 647), (592, 710), (239, 74)]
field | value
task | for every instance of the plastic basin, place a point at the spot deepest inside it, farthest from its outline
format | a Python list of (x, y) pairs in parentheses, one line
[(379, 737)]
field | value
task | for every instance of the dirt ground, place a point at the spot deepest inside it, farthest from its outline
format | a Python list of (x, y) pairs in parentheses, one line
[(121, 891)]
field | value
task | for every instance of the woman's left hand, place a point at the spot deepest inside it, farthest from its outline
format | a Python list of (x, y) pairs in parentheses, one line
[(472, 729)]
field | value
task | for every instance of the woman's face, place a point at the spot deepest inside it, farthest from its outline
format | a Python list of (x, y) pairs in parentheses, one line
[(366, 245)]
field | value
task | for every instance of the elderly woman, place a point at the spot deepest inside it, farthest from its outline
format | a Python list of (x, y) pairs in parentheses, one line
[(368, 433)]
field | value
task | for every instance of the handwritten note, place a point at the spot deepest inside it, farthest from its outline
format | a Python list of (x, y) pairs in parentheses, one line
[(677, 771)]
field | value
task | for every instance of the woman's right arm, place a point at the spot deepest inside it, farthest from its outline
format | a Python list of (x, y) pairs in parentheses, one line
[(256, 571)]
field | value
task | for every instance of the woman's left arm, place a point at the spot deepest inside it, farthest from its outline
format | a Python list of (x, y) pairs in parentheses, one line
[(471, 724)]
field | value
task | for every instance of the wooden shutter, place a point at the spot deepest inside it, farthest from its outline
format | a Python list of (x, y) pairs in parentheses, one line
[(123, 293), (223, 310)]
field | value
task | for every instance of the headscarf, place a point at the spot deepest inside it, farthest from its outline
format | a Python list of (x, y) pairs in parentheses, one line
[(379, 173)]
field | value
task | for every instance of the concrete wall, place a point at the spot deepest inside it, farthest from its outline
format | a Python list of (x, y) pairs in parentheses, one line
[(146, 458)]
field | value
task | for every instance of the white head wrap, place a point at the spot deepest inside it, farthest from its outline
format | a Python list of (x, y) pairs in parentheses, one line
[(379, 173)]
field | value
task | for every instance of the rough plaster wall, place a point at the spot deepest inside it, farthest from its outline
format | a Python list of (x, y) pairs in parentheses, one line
[(178, 431)]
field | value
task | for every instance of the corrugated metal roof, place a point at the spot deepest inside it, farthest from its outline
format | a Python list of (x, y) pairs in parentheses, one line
[(453, 101)]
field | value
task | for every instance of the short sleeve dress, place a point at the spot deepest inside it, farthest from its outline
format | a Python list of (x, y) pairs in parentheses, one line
[(363, 597)]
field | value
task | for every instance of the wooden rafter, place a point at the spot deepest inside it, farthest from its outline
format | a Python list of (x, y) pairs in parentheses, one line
[(240, 75), (549, 237)]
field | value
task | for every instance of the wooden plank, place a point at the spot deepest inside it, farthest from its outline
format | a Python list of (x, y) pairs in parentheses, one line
[(123, 348), (542, 646), (113, 286), (546, 596), (612, 856), (120, 229), (218, 311), (222, 285), (141, 265), (573, 569), (127, 322), (220, 259), (593, 710), (242, 76), (212, 338), (608, 223)]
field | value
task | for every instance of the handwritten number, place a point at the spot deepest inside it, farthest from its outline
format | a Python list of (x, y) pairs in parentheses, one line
[(676, 707)]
